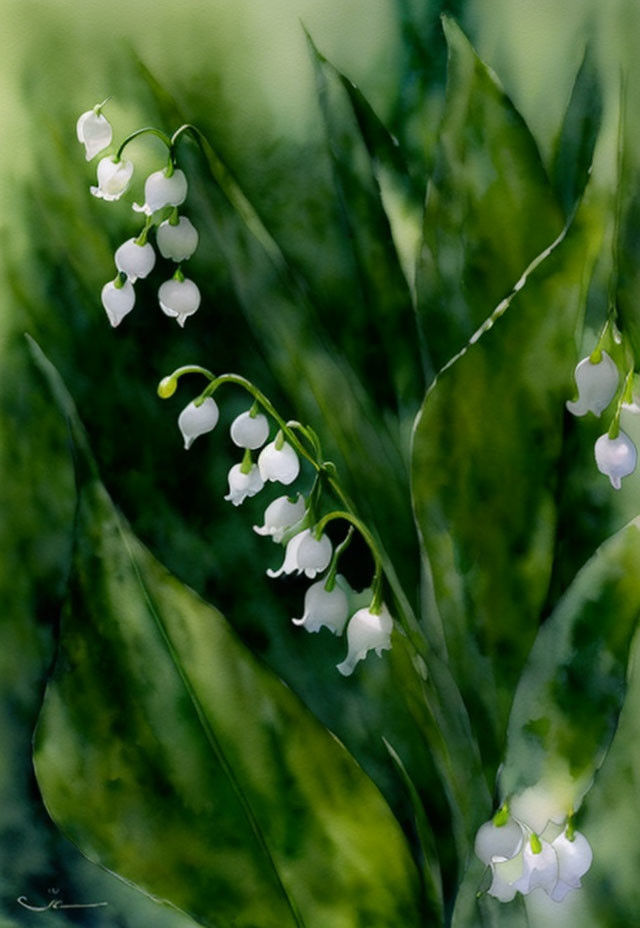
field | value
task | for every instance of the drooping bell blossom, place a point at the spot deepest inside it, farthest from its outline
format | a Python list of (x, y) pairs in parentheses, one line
[(179, 299), (616, 457), (177, 242), (325, 608), (194, 420), (242, 485), (249, 431), (597, 385), (94, 131), (305, 554), (280, 515), (574, 859), (113, 178), (161, 191), (498, 842), (135, 260), (539, 867), (117, 301), (278, 464), (366, 631)]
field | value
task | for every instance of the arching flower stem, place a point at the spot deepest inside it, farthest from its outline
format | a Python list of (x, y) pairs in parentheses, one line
[(626, 396), (376, 603), (330, 580), (146, 130)]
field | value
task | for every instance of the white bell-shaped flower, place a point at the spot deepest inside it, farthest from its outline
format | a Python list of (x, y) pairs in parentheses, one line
[(305, 554), (177, 242), (498, 842), (135, 260), (325, 608), (574, 859), (179, 299), (366, 631), (249, 431), (117, 301), (94, 131), (242, 485), (616, 457), (539, 867), (113, 178), (161, 191), (597, 385), (278, 464), (280, 515), (194, 420), (505, 874)]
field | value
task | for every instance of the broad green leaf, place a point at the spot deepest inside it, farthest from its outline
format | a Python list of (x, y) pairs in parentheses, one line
[(490, 209), (486, 449), (576, 141), (173, 757), (568, 700)]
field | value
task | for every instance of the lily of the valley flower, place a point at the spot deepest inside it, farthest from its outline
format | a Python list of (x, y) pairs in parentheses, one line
[(195, 420), (94, 131), (366, 631), (118, 300), (177, 242), (179, 299), (161, 190), (574, 859), (242, 485), (280, 464), (135, 260), (249, 431), (280, 515), (113, 178), (325, 608), (305, 554), (616, 457), (597, 385)]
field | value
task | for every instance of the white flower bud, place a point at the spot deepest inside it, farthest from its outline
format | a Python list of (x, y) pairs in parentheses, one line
[(616, 457), (280, 515), (179, 299), (117, 301), (305, 554), (94, 131), (366, 631), (243, 485), (328, 608), (249, 431), (113, 178), (178, 242), (161, 191), (135, 260), (279, 464), (597, 385), (196, 420)]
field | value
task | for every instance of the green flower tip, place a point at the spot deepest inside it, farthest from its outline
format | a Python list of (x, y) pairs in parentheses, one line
[(502, 816), (167, 387), (536, 844)]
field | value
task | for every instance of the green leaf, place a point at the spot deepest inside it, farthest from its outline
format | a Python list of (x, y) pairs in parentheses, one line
[(567, 703), (486, 448), (490, 209), (576, 142), (171, 756)]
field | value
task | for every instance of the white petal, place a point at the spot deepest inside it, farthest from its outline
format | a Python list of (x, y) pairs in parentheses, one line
[(113, 178), (94, 132), (135, 260), (616, 457), (325, 608), (243, 485), (161, 191), (574, 857), (178, 242), (194, 420), (597, 385), (365, 632), (117, 301), (279, 464), (539, 869), (290, 563), (280, 515), (498, 842), (179, 298), (249, 431), (314, 554)]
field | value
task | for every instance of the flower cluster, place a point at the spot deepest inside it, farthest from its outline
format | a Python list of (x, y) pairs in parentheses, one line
[(176, 237), (290, 521), (597, 379), (521, 860)]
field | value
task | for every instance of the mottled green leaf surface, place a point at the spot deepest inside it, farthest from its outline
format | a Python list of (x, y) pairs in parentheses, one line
[(485, 453), (490, 209)]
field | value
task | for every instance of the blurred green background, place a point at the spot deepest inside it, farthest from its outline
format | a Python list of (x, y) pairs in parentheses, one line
[(242, 72)]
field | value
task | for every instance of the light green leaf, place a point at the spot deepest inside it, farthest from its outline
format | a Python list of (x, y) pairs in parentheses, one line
[(171, 756), (490, 209), (486, 449)]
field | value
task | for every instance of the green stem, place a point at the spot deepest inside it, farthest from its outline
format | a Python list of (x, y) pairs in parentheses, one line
[(147, 130), (371, 544), (626, 396)]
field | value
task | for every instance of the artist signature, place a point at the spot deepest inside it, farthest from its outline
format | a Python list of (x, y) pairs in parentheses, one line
[(57, 903)]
